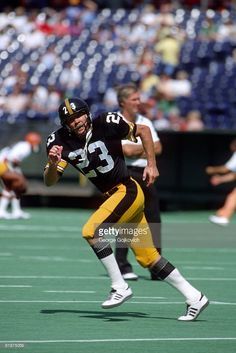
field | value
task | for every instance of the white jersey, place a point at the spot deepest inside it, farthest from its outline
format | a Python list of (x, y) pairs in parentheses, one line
[(16, 153), (4, 153), (231, 164), (140, 162)]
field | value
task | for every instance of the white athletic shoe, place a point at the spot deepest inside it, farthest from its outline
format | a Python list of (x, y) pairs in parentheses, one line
[(222, 221), (117, 297), (130, 276), (5, 215), (195, 309), (20, 215)]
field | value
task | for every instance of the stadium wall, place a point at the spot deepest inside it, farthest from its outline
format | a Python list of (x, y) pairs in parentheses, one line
[(183, 182)]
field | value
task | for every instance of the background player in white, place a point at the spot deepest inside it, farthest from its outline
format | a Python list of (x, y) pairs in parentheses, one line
[(13, 156), (129, 100), (223, 174)]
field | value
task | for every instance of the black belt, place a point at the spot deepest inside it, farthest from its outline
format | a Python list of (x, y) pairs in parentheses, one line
[(136, 169), (112, 191)]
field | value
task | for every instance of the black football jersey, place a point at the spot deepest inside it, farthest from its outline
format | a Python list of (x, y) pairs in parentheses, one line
[(101, 158)]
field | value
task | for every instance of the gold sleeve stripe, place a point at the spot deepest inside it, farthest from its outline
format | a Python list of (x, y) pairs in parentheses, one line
[(3, 168), (131, 134), (61, 166), (67, 103)]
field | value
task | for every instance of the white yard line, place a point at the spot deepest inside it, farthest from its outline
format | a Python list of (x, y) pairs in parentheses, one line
[(210, 268), (14, 286), (107, 340), (54, 258), (70, 291), (39, 228)]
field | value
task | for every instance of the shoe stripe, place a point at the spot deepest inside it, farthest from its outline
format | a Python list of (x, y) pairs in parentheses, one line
[(193, 310)]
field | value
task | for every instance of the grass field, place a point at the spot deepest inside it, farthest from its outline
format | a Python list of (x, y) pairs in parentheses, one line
[(52, 286)]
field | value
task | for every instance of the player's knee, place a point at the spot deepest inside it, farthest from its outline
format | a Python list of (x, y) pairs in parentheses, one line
[(142, 262), (148, 258)]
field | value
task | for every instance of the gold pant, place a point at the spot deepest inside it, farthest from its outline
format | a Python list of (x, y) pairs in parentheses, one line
[(125, 207)]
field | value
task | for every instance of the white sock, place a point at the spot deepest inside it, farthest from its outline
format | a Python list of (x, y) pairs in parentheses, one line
[(110, 264), (183, 286), (4, 200), (15, 204)]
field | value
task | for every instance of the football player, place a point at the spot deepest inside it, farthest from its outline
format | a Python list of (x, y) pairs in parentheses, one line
[(94, 148), (14, 155), (11, 180)]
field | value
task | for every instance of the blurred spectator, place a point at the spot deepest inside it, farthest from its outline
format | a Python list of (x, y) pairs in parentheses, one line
[(227, 31), (165, 15), (36, 47), (171, 88), (44, 102), (110, 98), (39, 99), (146, 61), (15, 76), (208, 30), (193, 121), (149, 83), (34, 39), (168, 48), (49, 58), (17, 101), (125, 56), (161, 122), (70, 78)]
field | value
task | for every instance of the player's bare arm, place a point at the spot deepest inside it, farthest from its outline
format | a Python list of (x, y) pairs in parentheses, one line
[(51, 175), (150, 172), (220, 179), (220, 169), (137, 151)]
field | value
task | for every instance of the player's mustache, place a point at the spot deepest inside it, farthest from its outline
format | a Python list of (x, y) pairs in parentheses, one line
[(78, 126)]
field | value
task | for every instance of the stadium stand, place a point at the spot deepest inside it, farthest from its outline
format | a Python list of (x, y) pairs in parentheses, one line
[(102, 48)]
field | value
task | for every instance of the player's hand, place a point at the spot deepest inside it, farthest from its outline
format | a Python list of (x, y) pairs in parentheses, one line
[(215, 180), (54, 155), (150, 174)]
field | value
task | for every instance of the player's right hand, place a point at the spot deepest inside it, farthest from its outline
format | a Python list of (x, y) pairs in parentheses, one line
[(150, 174), (54, 155), (215, 180)]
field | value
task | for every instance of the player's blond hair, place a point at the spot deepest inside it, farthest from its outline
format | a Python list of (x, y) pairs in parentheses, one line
[(124, 91)]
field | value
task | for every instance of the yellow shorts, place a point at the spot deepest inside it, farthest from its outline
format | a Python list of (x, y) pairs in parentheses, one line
[(3, 168), (124, 211)]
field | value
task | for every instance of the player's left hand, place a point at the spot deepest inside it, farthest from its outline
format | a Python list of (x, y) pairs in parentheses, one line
[(150, 174)]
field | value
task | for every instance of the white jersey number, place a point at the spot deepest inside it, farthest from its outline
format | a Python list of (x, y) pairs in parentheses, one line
[(114, 118), (84, 162), (51, 138)]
